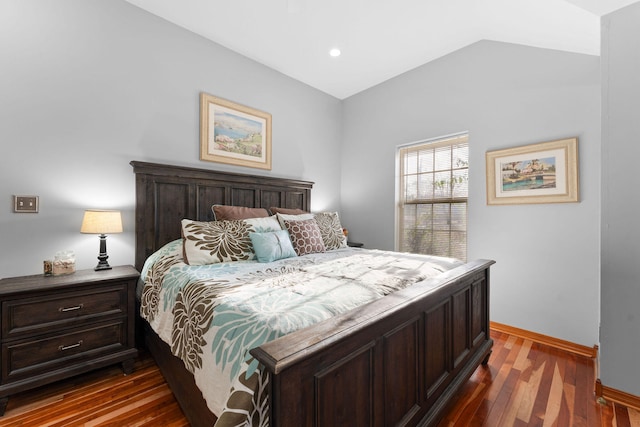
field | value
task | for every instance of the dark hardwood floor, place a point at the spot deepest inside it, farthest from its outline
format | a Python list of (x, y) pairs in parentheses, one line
[(104, 397), (529, 384), (524, 384)]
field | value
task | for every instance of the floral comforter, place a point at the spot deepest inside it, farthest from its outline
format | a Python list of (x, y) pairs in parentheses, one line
[(212, 315)]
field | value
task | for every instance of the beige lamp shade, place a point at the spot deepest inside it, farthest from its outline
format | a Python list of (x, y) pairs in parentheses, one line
[(101, 222)]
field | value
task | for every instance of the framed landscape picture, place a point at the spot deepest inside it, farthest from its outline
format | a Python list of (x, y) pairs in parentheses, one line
[(546, 172), (234, 134)]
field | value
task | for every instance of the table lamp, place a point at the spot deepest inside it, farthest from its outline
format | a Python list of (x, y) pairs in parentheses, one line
[(101, 222)]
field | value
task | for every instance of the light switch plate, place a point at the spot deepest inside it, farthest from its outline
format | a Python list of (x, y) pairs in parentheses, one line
[(25, 204)]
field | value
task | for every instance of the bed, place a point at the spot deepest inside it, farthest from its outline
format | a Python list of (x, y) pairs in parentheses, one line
[(397, 360)]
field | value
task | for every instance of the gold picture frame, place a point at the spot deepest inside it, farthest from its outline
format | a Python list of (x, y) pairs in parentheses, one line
[(234, 134), (545, 172)]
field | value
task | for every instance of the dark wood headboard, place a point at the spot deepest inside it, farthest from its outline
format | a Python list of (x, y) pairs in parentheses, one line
[(166, 194)]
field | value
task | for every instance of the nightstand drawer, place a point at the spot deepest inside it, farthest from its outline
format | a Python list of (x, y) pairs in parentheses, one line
[(27, 358), (46, 311)]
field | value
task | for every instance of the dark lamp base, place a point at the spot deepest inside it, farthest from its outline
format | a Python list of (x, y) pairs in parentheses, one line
[(102, 256)]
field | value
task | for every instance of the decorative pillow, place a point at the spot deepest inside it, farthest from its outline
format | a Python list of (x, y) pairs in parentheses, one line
[(223, 213), (305, 236), (264, 225), (287, 211), (272, 246), (331, 230), (286, 217), (216, 241), (222, 241)]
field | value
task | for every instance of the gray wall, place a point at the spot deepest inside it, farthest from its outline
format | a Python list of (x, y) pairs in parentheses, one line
[(89, 85), (620, 336), (547, 274)]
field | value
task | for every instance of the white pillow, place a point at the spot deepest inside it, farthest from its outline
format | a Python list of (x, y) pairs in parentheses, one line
[(284, 217)]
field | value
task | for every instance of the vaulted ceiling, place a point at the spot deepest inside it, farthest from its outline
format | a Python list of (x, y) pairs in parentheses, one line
[(380, 39)]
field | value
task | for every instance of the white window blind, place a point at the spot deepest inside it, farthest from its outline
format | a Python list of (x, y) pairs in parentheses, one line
[(433, 191)]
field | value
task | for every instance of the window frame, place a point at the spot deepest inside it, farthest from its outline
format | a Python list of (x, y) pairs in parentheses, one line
[(432, 144)]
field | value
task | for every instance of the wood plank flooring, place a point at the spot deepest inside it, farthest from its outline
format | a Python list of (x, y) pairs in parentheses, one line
[(104, 397), (529, 384), (524, 384)]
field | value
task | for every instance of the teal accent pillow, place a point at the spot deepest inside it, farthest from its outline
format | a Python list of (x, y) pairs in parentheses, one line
[(272, 246)]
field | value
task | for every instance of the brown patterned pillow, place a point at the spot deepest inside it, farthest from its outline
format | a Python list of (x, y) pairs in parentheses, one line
[(216, 241), (331, 230), (305, 236)]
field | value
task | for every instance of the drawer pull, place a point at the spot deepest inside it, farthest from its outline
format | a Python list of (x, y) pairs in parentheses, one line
[(74, 308), (69, 347)]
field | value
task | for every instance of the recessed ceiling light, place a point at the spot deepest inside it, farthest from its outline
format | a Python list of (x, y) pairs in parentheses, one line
[(335, 52)]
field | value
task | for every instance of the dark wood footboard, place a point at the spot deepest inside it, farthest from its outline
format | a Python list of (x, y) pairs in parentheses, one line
[(396, 361)]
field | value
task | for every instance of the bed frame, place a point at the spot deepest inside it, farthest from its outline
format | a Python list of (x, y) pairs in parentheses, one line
[(399, 360)]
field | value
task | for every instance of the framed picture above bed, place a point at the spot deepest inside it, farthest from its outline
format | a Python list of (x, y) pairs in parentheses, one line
[(234, 134), (545, 172)]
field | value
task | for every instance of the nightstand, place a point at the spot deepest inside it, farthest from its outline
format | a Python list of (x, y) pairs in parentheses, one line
[(54, 327)]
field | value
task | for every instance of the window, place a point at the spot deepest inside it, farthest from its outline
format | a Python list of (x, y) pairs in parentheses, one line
[(432, 197)]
